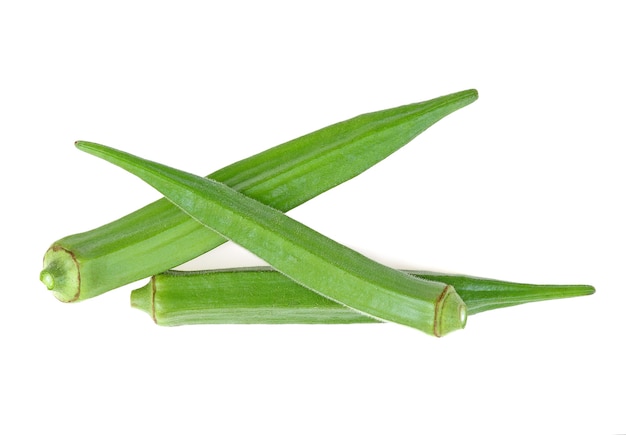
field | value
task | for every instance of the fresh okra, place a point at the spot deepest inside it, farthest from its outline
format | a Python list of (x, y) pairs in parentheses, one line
[(262, 295), (307, 257), (160, 236)]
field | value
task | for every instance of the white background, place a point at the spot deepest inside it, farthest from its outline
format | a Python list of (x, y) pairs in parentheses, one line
[(525, 184)]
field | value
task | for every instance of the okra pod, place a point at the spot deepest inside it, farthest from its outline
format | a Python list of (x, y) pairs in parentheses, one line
[(159, 236), (304, 255), (262, 295)]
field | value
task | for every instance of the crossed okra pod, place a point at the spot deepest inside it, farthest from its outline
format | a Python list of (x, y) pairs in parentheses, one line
[(311, 279)]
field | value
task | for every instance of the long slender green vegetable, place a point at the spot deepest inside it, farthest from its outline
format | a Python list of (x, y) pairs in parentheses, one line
[(262, 295), (307, 257), (159, 236)]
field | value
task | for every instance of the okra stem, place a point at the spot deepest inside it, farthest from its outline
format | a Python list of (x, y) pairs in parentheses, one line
[(304, 255), (262, 295), (159, 236)]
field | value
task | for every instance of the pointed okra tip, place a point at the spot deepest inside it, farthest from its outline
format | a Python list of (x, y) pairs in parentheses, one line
[(94, 148), (471, 94), (463, 98), (86, 146)]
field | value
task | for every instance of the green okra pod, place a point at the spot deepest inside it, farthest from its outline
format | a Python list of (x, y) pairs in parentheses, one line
[(307, 257), (159, 236), (262, 295)]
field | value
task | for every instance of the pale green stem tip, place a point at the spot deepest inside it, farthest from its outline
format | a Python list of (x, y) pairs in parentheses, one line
[(47, 278), (142, 299)]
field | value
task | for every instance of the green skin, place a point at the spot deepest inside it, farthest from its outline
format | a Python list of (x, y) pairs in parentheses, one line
[(262, 295), (160, 236), (307, 257)]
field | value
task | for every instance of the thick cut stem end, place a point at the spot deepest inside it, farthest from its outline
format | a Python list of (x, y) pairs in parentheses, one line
[(61, 274), (451, 312)]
